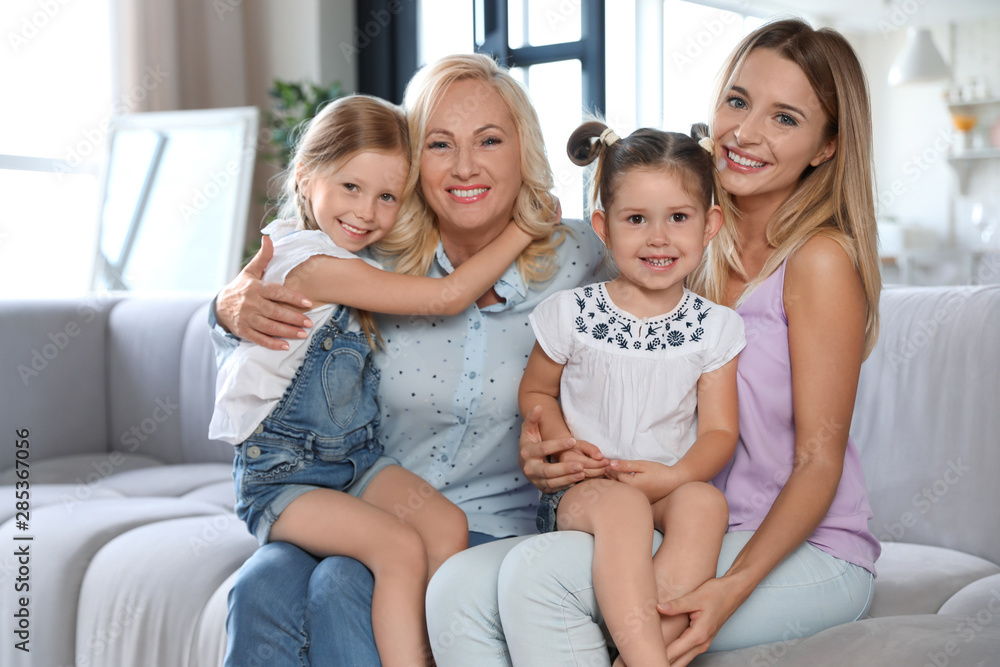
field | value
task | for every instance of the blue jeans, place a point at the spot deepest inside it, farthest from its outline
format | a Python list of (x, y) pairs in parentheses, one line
[(288, 608), (530, 601)]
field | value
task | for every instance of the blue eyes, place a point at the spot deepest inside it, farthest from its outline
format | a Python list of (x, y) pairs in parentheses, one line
[(739, 103), (488, 142)]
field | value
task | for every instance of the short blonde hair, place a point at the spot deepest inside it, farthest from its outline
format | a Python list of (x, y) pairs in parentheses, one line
[(411, 244), (836, 198)]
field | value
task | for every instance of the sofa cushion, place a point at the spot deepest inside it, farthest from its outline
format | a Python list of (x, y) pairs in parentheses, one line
[(980, 599), (145, 341), (160, 594), (88, 471), (926, 418), (903, 641), (66, 539), (171, 480), (53, 364), (919, 579), (222, 494), (52, 494), (197, 393)]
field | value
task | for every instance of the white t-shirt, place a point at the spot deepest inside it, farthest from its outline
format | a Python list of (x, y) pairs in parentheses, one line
[(629, 385), (253, 379)]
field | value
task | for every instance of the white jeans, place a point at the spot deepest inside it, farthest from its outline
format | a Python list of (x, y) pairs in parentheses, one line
[(530, 601)]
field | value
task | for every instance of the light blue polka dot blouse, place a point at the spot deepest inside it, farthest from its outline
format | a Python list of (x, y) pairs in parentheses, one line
[(448, 392)]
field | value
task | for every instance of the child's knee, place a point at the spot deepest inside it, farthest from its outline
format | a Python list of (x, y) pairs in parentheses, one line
[(403, 552), (707, 501), (450, 535), (605, 503)]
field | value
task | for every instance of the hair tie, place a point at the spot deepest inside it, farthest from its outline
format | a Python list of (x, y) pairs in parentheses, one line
[(609, 137), (707, 144)]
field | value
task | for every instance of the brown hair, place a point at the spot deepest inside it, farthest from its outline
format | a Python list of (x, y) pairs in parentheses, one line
[(835, 198), (645, 148), (340, 131)]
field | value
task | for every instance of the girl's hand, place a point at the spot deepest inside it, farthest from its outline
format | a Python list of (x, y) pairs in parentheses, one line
[(653, 479), (252, 309), (708, 606), (534, 453), (590, 457)]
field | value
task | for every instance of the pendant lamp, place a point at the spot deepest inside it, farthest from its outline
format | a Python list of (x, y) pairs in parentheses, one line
[(919, 61)]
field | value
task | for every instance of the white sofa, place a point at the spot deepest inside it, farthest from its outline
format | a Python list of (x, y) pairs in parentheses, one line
[(134, 544)]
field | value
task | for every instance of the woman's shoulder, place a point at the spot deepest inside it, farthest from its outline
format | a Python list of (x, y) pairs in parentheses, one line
[(820, 271), (820, 258)]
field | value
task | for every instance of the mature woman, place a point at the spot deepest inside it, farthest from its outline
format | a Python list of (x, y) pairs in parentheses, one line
[(797, 259), (448, 395)]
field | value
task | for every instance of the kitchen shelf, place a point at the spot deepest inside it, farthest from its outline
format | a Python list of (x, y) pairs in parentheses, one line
[(973, 103)]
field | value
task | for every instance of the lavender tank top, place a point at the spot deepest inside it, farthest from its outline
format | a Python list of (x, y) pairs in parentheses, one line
[(766, 446)]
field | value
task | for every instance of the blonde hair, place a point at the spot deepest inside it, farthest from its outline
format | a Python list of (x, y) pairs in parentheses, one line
[(340, 131), (836, 198), (411, 244)]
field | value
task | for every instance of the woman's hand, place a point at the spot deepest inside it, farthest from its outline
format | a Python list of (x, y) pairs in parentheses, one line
[(534, 454), (650, 477), (251, 309), (708, 606)]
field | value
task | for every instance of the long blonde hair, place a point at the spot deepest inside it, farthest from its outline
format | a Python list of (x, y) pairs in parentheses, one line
[(836, 198), (411, 244), (340, 131)]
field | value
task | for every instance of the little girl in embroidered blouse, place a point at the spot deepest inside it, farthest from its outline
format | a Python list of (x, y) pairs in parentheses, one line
[(642, 373), (309, 467)]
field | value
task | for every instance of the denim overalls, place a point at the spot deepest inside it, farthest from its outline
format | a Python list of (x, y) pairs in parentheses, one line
[(322, 434)]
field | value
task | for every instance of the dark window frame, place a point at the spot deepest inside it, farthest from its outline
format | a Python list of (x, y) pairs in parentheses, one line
[(388, 57), (490, 18)]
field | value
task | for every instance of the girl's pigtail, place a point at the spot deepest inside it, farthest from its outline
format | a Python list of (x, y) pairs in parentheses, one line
[(588, 143)]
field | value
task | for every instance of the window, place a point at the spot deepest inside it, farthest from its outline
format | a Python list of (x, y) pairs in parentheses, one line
[(57, 68), (639, 63)]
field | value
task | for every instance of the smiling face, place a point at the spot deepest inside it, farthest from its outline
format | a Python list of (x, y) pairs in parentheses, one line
[(356, 204), (769, 128), (470, 166), (657, 230)]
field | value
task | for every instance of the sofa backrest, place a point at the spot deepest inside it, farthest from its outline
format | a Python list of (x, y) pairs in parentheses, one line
[(98, 375), (927, 418), (53, 376), (161, 380)]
